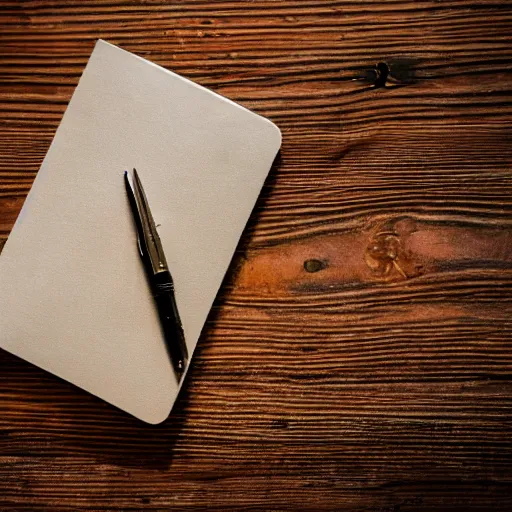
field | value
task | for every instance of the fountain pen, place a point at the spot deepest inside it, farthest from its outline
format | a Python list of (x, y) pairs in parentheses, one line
[(157, 271)]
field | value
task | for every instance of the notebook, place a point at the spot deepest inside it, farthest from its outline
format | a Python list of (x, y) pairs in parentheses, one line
[(74, 298)]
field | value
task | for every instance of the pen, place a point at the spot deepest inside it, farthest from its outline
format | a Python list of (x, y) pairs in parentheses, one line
[(159, 276)]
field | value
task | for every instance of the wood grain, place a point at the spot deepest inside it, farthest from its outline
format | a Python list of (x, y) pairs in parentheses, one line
[(358, 356)]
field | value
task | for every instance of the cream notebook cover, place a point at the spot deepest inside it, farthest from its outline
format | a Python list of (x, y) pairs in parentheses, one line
[(74, 298)]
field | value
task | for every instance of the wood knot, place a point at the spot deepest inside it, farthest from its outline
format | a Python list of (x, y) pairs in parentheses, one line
[(387, 253), (391, 73), (314, 265), (384, 252), (381, 74)]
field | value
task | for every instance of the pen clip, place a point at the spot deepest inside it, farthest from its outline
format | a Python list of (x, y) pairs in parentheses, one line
[(149, 242)]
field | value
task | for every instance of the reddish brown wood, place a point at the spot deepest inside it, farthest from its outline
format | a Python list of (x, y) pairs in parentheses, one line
[(358, 357)]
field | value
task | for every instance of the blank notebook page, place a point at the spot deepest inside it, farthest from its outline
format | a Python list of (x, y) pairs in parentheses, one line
[(74, 298)]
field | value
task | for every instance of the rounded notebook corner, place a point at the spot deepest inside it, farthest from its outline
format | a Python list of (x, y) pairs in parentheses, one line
[(276, 133), (156, 416), (156, 397), (157, 420)]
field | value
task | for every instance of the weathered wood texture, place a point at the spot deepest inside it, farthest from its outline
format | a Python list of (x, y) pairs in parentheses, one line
[(358, 357)]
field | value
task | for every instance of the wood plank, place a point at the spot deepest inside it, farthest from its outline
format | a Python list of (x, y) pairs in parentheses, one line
[(358, 356)]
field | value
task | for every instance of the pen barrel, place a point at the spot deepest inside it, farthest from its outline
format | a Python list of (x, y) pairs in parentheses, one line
[(163, 292)]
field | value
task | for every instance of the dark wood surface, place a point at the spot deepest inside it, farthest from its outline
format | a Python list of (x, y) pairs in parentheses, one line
[(359, 354)]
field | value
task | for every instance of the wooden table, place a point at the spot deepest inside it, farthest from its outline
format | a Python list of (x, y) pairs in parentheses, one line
[(359, 355)]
